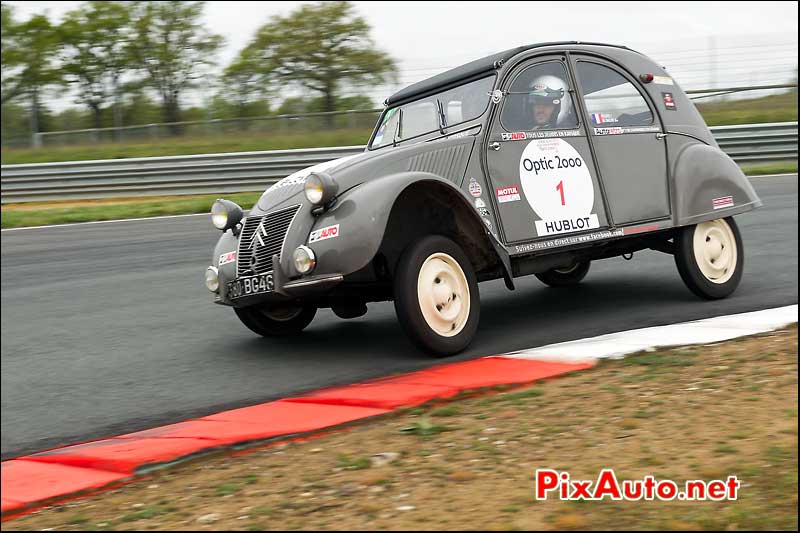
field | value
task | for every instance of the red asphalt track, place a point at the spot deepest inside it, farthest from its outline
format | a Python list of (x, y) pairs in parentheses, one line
[(47, 477)]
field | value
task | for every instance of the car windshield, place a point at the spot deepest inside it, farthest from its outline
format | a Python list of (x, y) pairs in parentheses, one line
[(436, 112)]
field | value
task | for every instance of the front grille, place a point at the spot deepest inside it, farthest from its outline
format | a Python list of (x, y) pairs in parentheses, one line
[(261, 237)]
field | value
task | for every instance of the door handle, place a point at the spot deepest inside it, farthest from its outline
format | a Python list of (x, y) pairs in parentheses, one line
[(495, 146), (660, 136)]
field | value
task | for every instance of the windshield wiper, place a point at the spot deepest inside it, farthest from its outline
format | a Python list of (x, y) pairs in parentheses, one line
[(398, 131), (442, 119)]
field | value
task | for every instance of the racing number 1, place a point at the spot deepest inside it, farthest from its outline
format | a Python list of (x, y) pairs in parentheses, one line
[(560, 188)]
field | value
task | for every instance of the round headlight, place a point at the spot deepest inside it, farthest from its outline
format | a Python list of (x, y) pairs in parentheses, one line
[(225, 214), (212, 279), (320, 188), (304, 259)]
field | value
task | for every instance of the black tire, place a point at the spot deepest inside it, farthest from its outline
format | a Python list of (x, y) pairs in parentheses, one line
[(273, 321), (407, 295), (689, 264), (565, 277)]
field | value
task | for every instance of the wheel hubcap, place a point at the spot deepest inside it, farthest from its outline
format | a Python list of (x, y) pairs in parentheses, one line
[(715, 250), (443, 294)]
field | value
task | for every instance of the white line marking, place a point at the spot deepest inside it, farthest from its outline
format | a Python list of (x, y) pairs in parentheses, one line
[(706, 331), (106, 221)]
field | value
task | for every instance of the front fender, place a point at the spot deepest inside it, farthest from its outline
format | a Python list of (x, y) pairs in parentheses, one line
[(227, 242), (362, 215), (703, 174)]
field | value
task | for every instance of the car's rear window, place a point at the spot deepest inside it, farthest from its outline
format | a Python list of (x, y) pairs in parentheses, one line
[(611, 100)]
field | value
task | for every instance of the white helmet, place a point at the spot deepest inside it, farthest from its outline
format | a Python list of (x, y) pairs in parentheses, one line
[(551, 90)]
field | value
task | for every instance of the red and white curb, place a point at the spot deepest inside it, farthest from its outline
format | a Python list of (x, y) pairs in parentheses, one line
[(47, 477)]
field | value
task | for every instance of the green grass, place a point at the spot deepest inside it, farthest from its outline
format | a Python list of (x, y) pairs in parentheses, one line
[(773, 108), (186, 146), (14, 217)]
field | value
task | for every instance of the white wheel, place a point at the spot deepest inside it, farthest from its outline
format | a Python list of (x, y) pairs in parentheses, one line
[(443, 294), (436, 295), (715, 250), (710, 257)]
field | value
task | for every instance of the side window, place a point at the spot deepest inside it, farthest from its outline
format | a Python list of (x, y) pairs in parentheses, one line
[(611, 100), (539, 99)]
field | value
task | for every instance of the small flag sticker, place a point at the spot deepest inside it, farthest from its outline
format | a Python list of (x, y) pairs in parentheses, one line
[(725, 201)]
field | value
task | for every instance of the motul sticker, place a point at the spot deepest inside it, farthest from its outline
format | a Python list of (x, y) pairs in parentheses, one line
[(324, 233), (507, 194), (224, 259), (669, 102), (475, 188), (720, 203)]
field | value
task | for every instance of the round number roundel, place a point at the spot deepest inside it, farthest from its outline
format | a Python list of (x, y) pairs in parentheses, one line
[(556, 180)]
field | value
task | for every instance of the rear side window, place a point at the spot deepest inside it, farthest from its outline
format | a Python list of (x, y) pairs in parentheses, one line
[(611, 100)]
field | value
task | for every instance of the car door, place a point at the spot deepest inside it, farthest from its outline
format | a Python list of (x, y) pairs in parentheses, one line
[(628, 147), (540, 165)]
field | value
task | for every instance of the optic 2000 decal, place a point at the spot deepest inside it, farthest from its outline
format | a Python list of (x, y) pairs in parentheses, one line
[(558, 187)]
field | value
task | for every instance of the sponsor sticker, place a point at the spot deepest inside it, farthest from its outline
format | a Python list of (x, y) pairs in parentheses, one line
[(663, 80), (224, 259), (475, 188), (507, 194), (669, 102), (631, 129), (525, 135), (558, 186), (569, 240), (321, 234), (603, 118), (479, 203), (720, 203), (515, 136)]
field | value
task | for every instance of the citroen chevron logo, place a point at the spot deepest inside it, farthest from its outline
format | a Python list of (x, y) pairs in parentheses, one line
[(261, 234)]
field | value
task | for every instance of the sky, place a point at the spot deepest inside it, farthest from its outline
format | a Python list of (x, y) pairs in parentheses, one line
[(700, 43)]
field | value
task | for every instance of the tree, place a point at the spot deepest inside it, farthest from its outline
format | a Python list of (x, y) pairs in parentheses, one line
[(323, 47), (31, 52), (172, 47), (245, 84), (97, 52), (12, 55)]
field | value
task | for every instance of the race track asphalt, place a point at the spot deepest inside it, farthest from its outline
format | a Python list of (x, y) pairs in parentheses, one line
[(108, 328)]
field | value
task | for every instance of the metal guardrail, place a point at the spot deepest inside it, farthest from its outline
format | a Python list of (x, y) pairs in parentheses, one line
[(254, 171)]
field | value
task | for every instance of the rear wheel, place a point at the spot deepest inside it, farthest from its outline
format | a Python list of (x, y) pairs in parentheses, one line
[(565, 277), (436, 296), (709, 257), (276, 320)]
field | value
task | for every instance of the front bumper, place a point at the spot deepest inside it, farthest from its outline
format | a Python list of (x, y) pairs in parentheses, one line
[(309, 287)]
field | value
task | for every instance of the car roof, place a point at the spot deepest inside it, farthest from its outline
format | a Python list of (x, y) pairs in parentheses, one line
[(473, 69)]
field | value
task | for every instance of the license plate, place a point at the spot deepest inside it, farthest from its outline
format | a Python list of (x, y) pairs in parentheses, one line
[(249, 286)]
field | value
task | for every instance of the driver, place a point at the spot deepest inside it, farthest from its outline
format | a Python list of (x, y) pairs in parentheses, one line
[(544, 99)]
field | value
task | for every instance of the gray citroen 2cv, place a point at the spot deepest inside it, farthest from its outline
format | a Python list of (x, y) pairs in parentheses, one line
[(536, 160)]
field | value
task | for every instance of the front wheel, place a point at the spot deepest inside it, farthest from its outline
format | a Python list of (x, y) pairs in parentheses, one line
[(710, 258), (565, 277), (276, 320), (436, 296)]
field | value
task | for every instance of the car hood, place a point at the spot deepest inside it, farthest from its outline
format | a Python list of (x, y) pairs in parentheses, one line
[(446, 158)]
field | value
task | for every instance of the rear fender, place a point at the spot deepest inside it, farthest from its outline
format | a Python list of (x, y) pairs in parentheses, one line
[(709, 185)]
